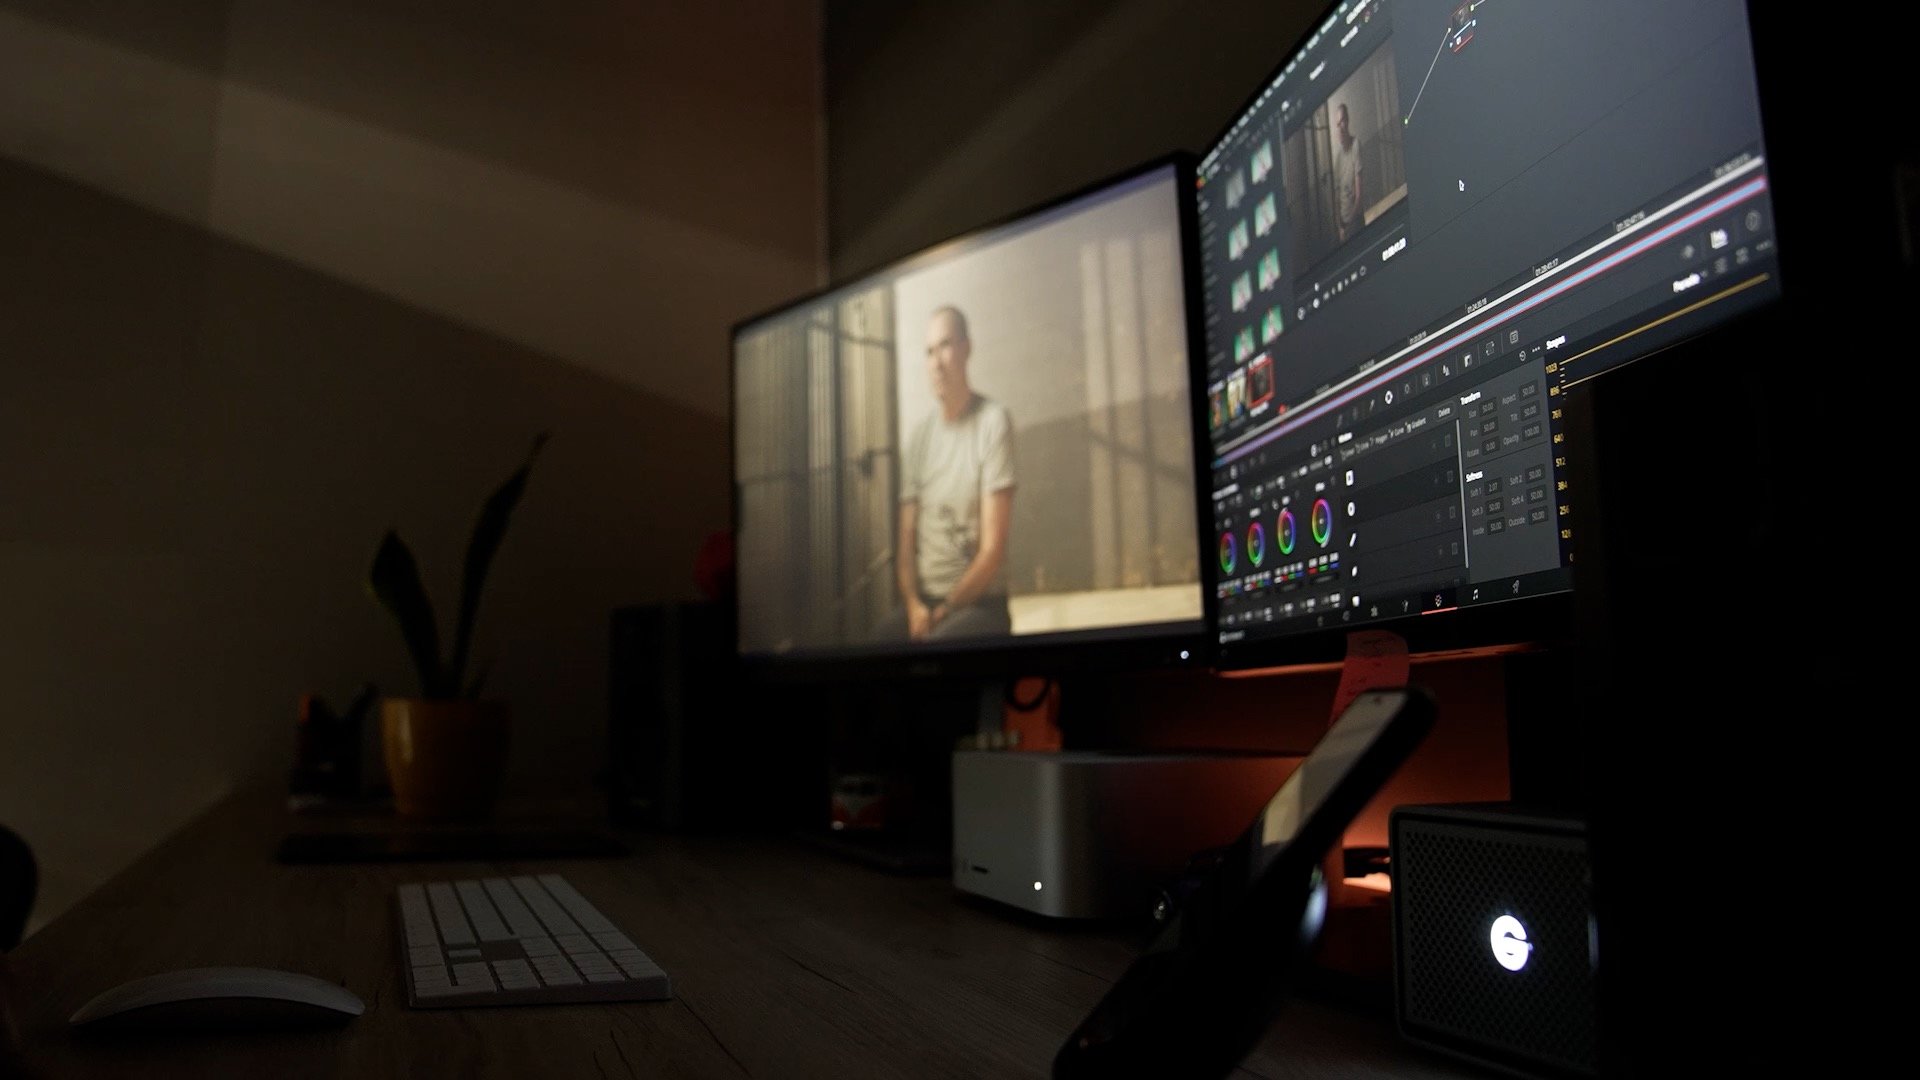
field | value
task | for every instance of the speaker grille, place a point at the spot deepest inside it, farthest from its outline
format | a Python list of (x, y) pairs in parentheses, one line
[(1451, 882)]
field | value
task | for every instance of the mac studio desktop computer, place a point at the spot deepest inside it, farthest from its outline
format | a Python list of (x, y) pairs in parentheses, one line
[(1428, 236), (978, 463)]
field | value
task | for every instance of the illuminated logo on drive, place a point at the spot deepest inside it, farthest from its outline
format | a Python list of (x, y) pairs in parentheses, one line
[(1510, 945)]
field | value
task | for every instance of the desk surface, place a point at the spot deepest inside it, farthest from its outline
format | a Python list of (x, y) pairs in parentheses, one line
[(785, 963)]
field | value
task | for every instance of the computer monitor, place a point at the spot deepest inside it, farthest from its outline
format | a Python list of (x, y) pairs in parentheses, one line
[(1434, 219), (980, 458)]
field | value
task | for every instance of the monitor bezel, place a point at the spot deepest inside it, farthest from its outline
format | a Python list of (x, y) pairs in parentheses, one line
[(1168, 645), (1541, 621)]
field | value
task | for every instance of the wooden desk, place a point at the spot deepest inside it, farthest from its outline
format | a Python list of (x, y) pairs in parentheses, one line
[(785, 963)]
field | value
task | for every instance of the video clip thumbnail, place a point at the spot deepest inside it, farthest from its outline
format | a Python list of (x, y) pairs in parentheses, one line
[(1260, 381), (1269, 269), (1271, 325), (1236, 189), (1265, 214)]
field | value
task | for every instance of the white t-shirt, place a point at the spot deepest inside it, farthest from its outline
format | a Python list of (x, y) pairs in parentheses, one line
[(1346, 171), (948, 469)]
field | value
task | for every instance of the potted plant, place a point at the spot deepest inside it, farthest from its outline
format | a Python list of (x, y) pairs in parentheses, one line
[(445, 750)]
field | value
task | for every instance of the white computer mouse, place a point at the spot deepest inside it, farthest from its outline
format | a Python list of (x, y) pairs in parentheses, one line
[(220, 998)]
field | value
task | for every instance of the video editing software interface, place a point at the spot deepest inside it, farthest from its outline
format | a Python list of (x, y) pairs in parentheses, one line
[(1435, 219), (992, 442)]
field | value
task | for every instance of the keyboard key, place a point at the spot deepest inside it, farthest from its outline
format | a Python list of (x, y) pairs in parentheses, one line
[(446, 911), (464, 954), (549, 912), (486, 922), (434, 975), (614, 939), (539, 946), (605, 977), (520, 921), (416, 918), (585, 914), (472, 976), (424, 956), (575, 944), (515, 975)]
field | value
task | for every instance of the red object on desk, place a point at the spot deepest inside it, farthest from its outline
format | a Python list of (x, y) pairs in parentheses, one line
[(713, 566), (862, 802), (1031, 716)]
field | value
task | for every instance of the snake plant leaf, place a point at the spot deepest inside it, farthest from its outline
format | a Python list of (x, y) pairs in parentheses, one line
[(395, 582), (487, 534)]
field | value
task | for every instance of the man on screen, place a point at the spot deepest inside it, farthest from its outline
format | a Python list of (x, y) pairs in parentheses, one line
[(1346, 174), (956, 500)]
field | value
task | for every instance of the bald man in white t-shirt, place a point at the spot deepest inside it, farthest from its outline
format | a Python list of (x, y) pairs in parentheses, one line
[(956, 501), (1346, 175)]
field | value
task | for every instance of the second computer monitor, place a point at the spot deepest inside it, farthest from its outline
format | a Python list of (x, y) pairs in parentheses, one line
[(1430, 223), (983, 451)]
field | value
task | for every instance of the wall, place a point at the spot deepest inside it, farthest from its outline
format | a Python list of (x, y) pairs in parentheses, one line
[(274, 277), (939, 120)]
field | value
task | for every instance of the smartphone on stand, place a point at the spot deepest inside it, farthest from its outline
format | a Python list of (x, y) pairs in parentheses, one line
[(1212, 980)]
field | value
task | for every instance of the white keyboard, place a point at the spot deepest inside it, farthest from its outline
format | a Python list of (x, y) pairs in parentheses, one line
[(517, 941)]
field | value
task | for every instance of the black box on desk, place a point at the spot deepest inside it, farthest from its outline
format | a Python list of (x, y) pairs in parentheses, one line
[(1494, 938), (692, 746)]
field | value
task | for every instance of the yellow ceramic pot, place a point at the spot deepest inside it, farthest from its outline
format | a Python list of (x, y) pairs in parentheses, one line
[(445, 759)]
